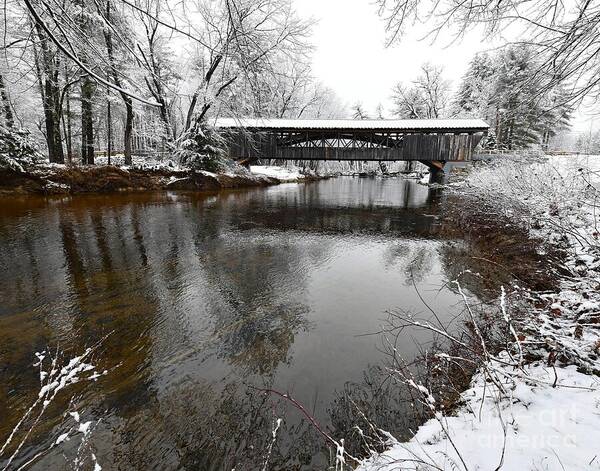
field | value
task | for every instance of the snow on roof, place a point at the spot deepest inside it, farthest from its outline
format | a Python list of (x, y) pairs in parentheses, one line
[(383, 124)]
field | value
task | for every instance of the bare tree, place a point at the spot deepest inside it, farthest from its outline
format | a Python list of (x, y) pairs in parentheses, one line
[(241, 39), (358, 112), (115, 26), (47, 66), (564, 34), (427, 97), (155, 57)]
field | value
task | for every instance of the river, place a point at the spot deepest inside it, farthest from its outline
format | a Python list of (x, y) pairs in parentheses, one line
[(204, 297)]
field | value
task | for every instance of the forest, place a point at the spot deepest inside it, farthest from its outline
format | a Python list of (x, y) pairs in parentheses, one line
[(88, 78)]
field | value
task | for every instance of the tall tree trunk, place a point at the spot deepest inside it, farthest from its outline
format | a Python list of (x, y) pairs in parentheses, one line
[(126, 98), (87, 121), (47, 66), (6, 106), (128, 129), (69, 130), (86, 91), (108, 128), (66, 117)]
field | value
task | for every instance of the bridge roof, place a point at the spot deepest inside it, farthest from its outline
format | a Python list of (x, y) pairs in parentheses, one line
[(450, 125)]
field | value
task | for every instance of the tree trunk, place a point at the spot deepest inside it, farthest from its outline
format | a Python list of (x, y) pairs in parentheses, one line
[(126, 98), (66, 118), (52, 119), (190, 113), (87, 121), (128, 130), (108, 128), (6, 107), (47, 71), (69, 131)]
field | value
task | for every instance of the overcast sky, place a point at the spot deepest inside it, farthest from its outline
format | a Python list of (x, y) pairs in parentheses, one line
[(350, 54)]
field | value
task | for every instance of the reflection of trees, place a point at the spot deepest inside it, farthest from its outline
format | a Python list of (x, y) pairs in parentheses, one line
[(462, 262), (415, 258), (88, 288), (258, 283), (377, 402), (260, 340), (197, 426)]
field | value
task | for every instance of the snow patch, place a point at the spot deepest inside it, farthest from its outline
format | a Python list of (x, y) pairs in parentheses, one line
[(535, 426), (280, 173)]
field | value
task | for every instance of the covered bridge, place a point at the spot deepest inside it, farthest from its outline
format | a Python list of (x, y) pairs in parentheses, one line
[(430, 141)]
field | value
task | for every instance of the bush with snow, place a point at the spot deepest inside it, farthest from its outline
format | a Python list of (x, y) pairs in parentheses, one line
[(17, 150), (203, 148)]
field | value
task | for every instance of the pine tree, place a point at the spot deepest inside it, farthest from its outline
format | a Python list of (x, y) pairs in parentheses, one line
[(503, 90), (474, 96)]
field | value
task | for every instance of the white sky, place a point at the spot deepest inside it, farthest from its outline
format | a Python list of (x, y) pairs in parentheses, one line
[(350, 54)]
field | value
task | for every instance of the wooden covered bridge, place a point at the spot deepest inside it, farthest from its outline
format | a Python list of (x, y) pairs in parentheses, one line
[(430, 141)]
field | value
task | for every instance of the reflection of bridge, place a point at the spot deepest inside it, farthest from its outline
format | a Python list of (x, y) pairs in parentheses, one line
[(430, 141)]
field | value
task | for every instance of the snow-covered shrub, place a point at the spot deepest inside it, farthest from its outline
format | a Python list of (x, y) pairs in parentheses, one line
[(531, 402), (58, 376), (555, 198), (17, 150), (203, 148)]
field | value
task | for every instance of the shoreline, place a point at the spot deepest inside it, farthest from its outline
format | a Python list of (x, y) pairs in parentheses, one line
[(103, 179), (534, 393)]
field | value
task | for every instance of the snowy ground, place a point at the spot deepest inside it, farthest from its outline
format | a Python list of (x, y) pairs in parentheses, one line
[(282, 174), (142, 162), (532, 426), (147, 163), (543, 415)]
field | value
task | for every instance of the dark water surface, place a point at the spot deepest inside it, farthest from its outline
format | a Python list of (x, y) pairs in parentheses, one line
[(205, 296)]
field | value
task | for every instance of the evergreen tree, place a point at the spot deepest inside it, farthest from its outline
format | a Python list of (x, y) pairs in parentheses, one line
[(474, 95), (503, 90)]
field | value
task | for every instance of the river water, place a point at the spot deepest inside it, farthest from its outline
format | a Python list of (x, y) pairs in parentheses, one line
[(203, 298)]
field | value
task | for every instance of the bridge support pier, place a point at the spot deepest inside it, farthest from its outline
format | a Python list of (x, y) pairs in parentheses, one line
[(437, 171)]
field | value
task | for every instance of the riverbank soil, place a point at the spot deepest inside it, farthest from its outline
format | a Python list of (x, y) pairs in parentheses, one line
[(61, 179)]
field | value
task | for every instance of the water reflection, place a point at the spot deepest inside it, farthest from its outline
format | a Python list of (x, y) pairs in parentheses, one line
[(204, 294)]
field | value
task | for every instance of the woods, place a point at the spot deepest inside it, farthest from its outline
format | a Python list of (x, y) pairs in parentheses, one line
[(546, 65), (106, 77), (498, 88), (121, 76)]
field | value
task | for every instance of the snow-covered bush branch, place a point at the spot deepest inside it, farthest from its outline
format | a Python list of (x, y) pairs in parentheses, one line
[(57, 377)]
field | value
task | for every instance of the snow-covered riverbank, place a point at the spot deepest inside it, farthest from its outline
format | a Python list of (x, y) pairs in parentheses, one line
[(537, 404), (286, 175), (17, 177)]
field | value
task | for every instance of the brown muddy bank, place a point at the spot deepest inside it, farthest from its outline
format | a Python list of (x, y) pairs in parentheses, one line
[(52, 180), (498, 244)]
